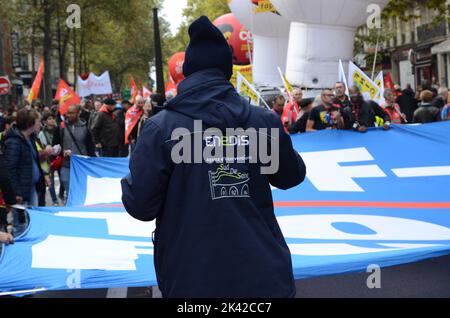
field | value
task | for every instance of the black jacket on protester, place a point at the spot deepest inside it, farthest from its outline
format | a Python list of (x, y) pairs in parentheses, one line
[(363, 114), (106, 130), (408, 104), (426, 113), (19, 162), (5, 182), (213, 238)]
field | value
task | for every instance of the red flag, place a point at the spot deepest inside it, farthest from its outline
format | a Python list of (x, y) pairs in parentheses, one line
[(34, 93), (131, 119), (388, 83), (66, 97), (134, 91)]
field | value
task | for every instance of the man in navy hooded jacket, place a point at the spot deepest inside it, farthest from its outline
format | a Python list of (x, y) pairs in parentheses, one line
[(212, 240)]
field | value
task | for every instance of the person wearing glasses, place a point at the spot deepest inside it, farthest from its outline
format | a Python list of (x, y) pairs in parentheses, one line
[(326, 116)]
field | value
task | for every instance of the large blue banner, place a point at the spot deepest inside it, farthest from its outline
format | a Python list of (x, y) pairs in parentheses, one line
[(376, 198)]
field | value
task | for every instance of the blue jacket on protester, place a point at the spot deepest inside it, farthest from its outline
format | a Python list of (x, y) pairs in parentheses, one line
[(18, 158), (205, 247)]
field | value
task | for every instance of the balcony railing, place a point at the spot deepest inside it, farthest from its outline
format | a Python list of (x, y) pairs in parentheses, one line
[(430, 31)]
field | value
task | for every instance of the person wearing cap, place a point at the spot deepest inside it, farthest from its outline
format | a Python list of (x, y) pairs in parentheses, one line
[(326, 116), (106, 130), (216, 232)]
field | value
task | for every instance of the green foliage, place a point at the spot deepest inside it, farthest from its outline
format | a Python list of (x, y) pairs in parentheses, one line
[(196, 8)]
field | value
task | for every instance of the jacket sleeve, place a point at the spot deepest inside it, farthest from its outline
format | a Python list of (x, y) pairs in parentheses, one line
[(90, 146), (144, 189), (12, 161), (96, 127), (292, 169)]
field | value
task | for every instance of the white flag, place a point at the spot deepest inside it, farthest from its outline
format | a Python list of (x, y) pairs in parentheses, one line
[(343, 78), (356, 77)]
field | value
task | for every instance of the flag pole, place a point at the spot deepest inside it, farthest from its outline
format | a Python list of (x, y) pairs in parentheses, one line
[(376, 55)]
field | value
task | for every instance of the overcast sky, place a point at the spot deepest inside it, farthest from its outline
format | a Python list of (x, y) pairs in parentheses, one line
[(173, 10)]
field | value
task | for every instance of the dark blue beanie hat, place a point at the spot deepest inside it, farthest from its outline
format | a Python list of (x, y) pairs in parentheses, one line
[(207, 49)]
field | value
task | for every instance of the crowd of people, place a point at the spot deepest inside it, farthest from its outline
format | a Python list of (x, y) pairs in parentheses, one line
[(334, 109), (36, 144)]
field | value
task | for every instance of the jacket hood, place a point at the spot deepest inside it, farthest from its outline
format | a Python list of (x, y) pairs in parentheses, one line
[(208, 96)]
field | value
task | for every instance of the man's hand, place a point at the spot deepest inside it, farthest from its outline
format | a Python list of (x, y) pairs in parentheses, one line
[(19, 200), (48, 182), (362, 129), (6, 238), (49, 151)]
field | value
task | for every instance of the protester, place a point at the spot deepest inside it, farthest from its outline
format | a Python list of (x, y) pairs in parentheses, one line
[(362, 114), (341, 97), (427, 113), (120, 118), (208, 243), (7, 195), (135, 120), (44, 154), (46, 139), (22, 158), (74, 139), (441, 100), (148, 109), (445, 113), (392, 108), (292, 109), (305, 109), (407, 103), (327, 115), (106, 130), (278, 106)]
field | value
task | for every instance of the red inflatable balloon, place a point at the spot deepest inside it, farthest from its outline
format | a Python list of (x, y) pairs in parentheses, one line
[(176, 67), (239, 38)]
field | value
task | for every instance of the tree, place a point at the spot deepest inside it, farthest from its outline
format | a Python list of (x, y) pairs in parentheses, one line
[(196, 8)]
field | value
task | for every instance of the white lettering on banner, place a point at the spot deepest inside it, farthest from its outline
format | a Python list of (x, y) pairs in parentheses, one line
[(386, 228), (77, 253), (58, 252), (326, 174), (321, 227), (93, 253), (103, 190), (119, 224), (422, 172)]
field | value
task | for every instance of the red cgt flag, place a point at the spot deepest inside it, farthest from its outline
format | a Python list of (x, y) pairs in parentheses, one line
[(66, 97)]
